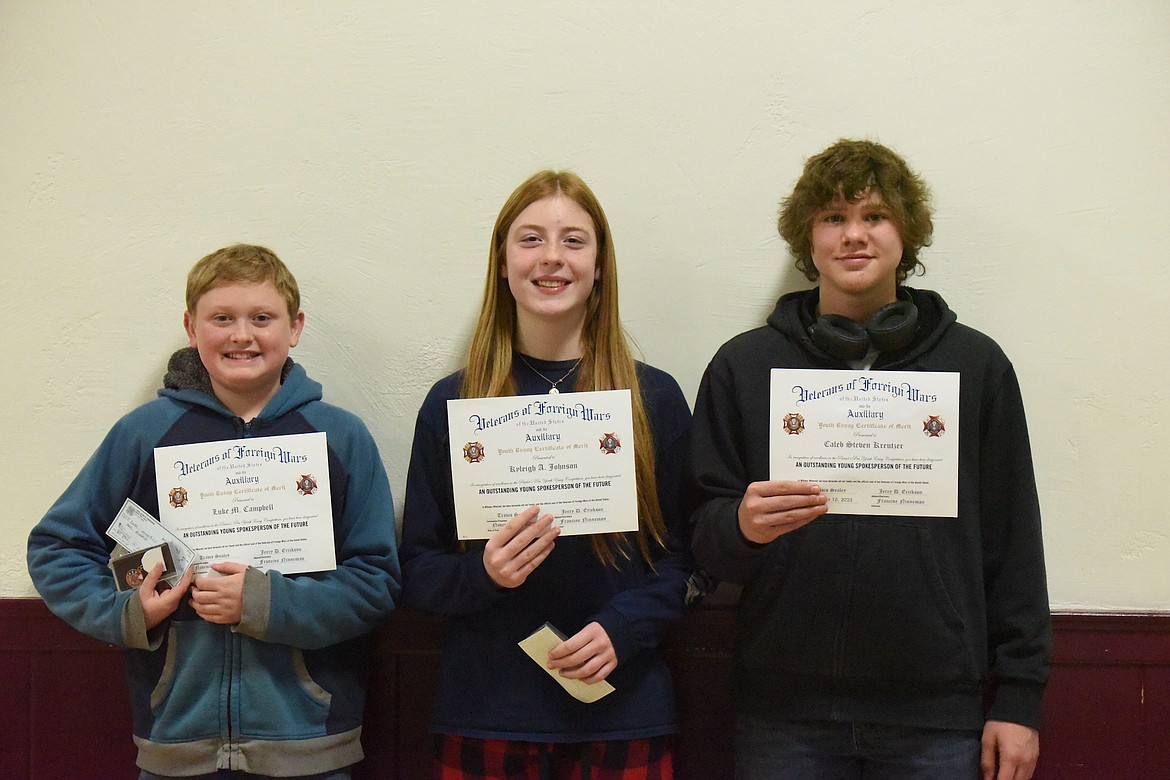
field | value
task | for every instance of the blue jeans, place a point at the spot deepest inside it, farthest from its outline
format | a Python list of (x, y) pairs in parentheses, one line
[(823, 750)]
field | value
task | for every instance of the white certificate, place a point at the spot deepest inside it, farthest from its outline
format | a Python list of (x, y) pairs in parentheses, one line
[(572, 454), (877, 442), (264, 502)]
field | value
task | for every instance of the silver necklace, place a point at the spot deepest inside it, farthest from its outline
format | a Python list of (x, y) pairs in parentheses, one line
[(552, 390)]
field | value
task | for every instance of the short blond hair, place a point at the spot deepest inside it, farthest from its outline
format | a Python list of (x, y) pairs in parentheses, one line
[(246, 264)]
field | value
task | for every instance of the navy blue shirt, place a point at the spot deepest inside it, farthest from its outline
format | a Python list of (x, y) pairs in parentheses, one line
[(488, 687)]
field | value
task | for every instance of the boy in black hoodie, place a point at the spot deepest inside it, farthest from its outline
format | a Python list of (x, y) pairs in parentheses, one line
[(873, 646)]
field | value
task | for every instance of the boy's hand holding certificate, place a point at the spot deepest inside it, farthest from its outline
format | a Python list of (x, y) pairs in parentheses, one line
[(572, 454)]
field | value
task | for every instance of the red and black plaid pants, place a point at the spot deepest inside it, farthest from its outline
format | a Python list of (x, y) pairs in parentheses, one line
[(466, 758)]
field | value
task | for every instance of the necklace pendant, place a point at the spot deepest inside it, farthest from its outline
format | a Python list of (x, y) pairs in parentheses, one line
[(553, 391)]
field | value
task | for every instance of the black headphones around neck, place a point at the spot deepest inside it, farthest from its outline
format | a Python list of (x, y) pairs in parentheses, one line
[(889, 329)]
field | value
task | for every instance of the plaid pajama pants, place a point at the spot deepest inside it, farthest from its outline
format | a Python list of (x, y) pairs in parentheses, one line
[(466, 758)]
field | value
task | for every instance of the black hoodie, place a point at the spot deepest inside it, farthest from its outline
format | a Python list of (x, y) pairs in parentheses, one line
[(882, 619)]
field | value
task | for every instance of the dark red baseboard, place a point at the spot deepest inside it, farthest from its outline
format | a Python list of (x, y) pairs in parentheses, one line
[(65, 711)]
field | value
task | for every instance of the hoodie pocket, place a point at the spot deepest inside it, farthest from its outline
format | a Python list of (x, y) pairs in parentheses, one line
[(166, 677), (790, 612), (185, 699), (857, 599), (903, 625), (278, 698)]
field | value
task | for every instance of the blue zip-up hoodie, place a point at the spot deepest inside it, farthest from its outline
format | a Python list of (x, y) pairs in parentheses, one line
[(281, 692)]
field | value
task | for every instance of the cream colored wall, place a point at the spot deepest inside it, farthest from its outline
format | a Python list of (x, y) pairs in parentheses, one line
[(371, 144)]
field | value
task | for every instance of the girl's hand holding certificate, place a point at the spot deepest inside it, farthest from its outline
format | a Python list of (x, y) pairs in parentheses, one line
[(519, 546)]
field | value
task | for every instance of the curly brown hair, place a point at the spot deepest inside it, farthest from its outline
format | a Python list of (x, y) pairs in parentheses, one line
[(852, 168)]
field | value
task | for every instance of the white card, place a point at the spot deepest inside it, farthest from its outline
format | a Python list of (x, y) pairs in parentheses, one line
[(538, 644)]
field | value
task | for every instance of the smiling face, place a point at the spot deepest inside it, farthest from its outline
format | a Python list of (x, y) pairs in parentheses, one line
[(243, 333), (550, 262), (856, 248)]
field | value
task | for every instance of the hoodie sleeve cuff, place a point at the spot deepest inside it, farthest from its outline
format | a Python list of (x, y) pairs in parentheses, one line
[(1016, 701), (134, 633), (257, 604), (620, 632)]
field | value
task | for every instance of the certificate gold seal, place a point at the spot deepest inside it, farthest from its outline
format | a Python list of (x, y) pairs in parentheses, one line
[(177, 497), (793, 424), (473, 452), (307, 485), (933, 426)]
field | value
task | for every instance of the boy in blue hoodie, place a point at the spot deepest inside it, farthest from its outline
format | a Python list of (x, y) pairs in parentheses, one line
[(245, 670)]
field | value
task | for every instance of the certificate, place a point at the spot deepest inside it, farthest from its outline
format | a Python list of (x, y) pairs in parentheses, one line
[(572, 454), (877, 442), (264, 502)]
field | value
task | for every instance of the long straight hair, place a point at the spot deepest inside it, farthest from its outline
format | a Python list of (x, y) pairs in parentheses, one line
[(607, 362)]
